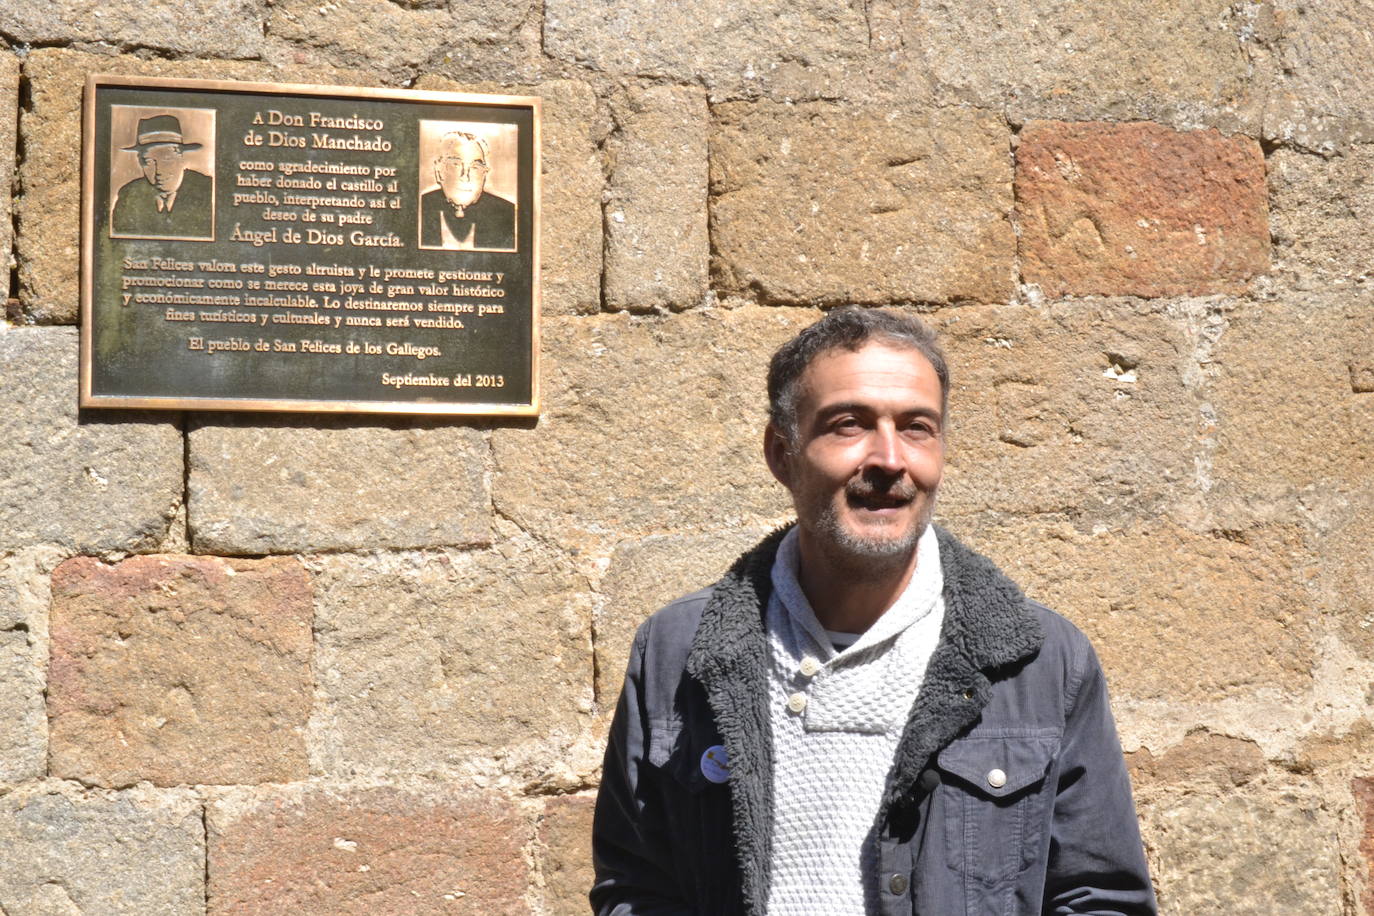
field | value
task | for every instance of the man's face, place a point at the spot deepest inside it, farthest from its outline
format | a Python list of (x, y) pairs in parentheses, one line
[(869, 453), (163, 166), (463, 173)]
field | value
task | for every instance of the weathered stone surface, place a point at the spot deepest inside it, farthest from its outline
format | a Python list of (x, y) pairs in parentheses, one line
[(1183, 63), (48, 209), (1344, 553), (830, 203), (1337, 751), (23, 726), (1157, 601), (217, 28), (317, 851), (469, 39), (657, 247), (570, 240), (1219, 759), (1320, 97), (1139, 209), (364, 33), (1322, 217), (403, 39), (283, 486), (179, 670), (1264, 849), (729, 47), (26, 593), (650, 425), (1362, 375), (428, 661), (24, 599), (9, 104), (645, 575), (565, 836), (135, 853), (1291, 431), (106, 481), (1363, 787), (1084, 408)]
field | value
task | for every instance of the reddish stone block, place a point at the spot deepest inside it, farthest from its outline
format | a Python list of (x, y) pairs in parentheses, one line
[(366, 851), (179, 670), (1364, 794), (1139, 209), (565, 837)]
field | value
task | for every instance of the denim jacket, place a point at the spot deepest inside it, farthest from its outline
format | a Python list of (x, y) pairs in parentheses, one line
[(1008, 794)]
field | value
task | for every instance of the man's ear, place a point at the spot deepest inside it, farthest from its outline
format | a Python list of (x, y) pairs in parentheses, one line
[(777, 452)]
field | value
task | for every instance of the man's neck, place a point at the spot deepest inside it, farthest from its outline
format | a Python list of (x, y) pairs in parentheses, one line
[(849, 596)]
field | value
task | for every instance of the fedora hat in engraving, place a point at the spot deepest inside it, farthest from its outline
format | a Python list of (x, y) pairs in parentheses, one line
[(159, 130)]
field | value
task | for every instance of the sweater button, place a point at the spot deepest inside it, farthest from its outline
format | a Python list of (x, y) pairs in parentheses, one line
[(796, 702), (809, 666), (897, 884)]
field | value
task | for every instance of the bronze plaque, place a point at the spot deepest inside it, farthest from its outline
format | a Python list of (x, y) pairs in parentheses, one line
[(252, 246)]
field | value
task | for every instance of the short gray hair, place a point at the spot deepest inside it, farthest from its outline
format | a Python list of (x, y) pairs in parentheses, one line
[(849, 328)]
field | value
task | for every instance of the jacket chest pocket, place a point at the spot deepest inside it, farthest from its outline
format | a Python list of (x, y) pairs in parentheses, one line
[(675, 751), (694, 795), (996, 801)]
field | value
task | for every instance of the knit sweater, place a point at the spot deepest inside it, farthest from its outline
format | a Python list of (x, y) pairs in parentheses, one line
[(836, 719)]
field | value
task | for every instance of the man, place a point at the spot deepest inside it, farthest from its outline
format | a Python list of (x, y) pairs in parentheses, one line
[(863, 716), (170, 200), (458, 214)]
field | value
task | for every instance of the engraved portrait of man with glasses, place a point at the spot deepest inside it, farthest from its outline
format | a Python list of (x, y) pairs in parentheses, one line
[(464, 212)]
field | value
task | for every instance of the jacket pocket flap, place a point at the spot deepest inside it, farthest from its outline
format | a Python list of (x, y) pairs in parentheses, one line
[(672, 750), (999, 766), (663, 737)]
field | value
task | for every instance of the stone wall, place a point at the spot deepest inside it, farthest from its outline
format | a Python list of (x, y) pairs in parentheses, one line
[(268, 664)]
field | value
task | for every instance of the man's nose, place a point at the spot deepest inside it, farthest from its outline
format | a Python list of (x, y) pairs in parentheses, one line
[(884, 449)]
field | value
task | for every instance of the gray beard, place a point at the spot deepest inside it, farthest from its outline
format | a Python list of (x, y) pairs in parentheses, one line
[(859, 553)]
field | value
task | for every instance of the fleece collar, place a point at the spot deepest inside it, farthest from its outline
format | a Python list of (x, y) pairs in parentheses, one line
[(987, 627)]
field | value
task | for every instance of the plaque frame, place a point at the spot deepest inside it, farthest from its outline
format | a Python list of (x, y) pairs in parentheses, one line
[(90, 225)]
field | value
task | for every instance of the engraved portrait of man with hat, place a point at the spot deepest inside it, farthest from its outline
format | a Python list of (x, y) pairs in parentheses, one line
[(169, 199)]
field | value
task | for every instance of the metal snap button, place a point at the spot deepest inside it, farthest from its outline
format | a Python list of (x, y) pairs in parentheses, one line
[(996, 778), (897, 884)]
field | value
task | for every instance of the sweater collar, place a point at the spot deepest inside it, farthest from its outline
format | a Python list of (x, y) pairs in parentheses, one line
[(986, 619), (920, 596)]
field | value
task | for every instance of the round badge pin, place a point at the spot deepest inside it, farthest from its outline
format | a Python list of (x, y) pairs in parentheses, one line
[(715, 764)]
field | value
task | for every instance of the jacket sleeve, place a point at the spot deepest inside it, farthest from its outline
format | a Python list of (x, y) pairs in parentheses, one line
[(1096, 861), (631, 849)]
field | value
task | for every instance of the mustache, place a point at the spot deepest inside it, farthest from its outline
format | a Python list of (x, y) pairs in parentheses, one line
[(862, 488)]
